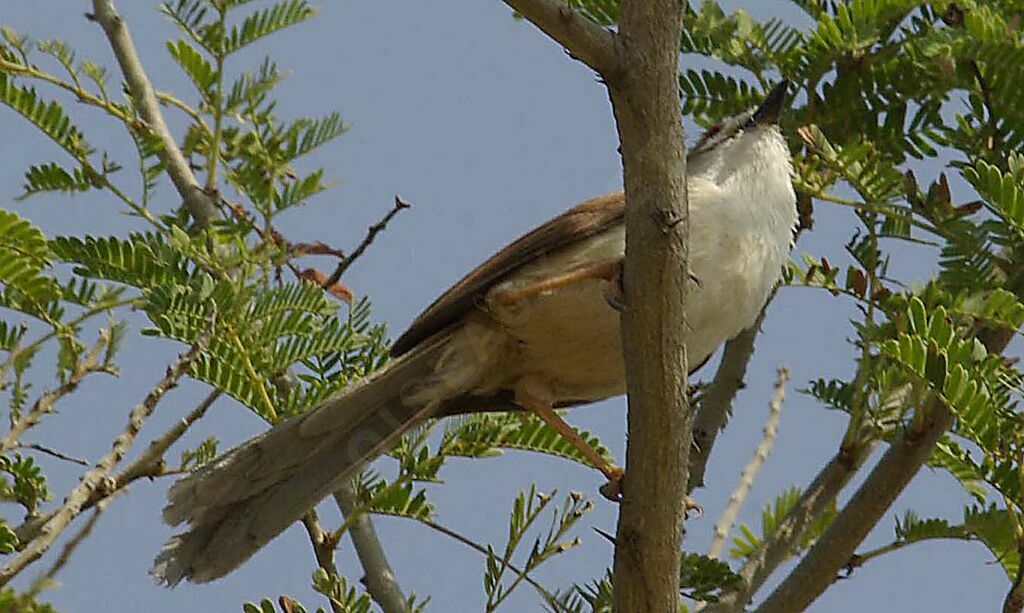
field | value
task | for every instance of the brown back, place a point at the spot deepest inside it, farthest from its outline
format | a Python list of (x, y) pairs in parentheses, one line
[(583, 220)]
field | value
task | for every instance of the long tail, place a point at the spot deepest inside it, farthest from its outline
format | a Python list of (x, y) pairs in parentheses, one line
[(245, 498)]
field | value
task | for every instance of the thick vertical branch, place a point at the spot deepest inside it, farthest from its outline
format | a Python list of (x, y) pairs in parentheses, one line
[(641, 67), (380, 579), (646, 103), (199, 205)]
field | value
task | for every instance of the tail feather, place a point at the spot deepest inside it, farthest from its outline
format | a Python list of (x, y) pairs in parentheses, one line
[(242, 500)]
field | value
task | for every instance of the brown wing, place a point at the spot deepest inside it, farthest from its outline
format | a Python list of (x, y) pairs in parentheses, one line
[(583, 220)]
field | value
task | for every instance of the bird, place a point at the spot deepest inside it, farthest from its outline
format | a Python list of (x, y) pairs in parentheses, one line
[(535, 327)]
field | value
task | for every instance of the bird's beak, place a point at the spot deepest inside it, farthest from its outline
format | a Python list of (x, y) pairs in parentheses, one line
[(771, 108)]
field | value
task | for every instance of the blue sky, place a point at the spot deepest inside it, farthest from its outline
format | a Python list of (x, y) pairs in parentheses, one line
[(488, 128)]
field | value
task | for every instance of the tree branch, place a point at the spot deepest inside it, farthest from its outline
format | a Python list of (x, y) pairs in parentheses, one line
[(323, 547), (1014, 600), (371, 234), (93, 480), (46, 579), (887, 480), (783, 541), (150, 463), (716, 404), (468, 542), (86, 365), (883, 485), (583, 39), (198, 203), (645, 101), (379, 579), (750, 471)]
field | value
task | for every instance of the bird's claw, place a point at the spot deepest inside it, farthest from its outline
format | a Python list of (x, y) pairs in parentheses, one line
[(614, 293), (612, 490), (689, 504)]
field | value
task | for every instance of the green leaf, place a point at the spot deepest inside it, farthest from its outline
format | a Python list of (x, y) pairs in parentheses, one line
[(53, 177), (484, 434), (772, 514), (344, 597), (50, 117), (191, 459), (23, 256), (28, 487), (199, 70), (265, 22), (702, 578), (142, 260)]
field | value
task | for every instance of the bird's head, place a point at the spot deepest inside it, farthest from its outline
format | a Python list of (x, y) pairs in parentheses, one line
[(743, 143)]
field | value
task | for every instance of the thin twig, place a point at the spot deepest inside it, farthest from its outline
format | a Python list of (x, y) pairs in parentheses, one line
[(371, 234), (323, 547), (46, 579), (779, 546), (1014, 600), (198, 203), (90, 363), (995, 140), (94, 479), (716, 402), (60, 455), (583, 39), (468, 542), (750, 471), (379, 578), (149, 464)]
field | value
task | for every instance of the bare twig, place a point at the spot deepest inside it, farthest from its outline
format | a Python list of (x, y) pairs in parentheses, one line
[(198, 203), (371, 234), (323, 547), (583, 39), (468, 542), (60, 455), (322, 541), (779, 546), (716, 403), (379, 578), (835, 547), (90, 363), (46, 579), (150, 463), (93, 480), (750, 471)]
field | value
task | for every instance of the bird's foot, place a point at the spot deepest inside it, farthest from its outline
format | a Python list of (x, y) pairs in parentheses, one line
[(689, 504), (612, 490), (615, 293)]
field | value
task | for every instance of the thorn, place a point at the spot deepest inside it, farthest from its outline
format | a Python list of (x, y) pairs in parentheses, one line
[(608, 537)]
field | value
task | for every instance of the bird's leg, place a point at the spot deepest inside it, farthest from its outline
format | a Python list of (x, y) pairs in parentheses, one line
[(604, 270), (535, 396), (615, 293)]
